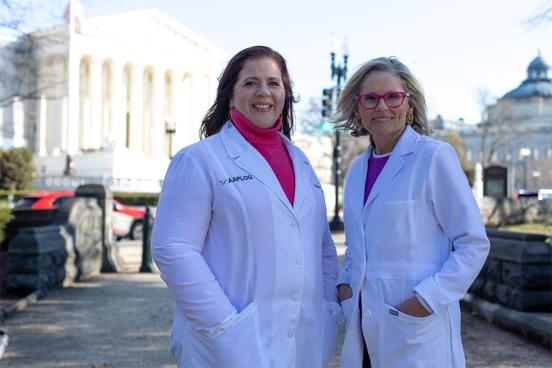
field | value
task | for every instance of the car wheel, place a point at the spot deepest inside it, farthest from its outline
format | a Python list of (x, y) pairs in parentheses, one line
[(136, 230)]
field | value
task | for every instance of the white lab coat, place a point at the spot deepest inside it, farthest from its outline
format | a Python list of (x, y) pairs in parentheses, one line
[(419, 231), (252, 277)]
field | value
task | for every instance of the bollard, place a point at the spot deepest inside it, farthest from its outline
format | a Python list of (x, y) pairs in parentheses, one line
[(147, 265)]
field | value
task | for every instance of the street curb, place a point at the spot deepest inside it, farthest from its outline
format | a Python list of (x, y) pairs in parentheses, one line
[(536, 326), (21, 304)]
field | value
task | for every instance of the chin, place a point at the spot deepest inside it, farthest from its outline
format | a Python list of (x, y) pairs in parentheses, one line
[(265, 124)]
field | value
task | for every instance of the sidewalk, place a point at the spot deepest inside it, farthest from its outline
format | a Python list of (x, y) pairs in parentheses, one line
[(113, 320), (123, 320)]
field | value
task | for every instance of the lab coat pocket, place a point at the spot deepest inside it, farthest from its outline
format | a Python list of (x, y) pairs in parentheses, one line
[(416, 341), (330, 334), (236, 343), (395, 224)]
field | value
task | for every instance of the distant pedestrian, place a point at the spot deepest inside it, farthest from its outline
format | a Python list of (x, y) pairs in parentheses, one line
[(241, 236), (414, 235)]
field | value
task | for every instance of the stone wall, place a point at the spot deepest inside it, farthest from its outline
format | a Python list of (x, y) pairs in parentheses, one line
[(67, 249), (508, 211), (518, 271)]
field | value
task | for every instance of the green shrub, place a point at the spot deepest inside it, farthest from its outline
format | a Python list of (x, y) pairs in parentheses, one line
[(137, 199), (17, 171), (5, 217)]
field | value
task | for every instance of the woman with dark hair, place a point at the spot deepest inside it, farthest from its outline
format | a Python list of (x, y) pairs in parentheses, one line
[(414, 235), (241, 237)]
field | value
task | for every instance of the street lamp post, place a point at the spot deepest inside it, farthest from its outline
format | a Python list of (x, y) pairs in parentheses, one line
[(524, 153), (339, 73), (170, 129)]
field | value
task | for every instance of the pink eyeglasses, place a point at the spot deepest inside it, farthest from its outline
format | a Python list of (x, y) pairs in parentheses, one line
[(392, 99)]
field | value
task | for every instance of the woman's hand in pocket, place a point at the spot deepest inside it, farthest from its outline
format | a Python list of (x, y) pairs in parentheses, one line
[(414, 308), (344, 292), (345, 295)]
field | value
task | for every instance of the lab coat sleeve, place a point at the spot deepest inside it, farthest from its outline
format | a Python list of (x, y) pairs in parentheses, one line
[(346, 270), (345, 274), (329, 265), (181, 224), (458, 215)]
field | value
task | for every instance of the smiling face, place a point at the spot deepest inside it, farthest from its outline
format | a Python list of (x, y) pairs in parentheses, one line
[(259, 92), (384, 124)]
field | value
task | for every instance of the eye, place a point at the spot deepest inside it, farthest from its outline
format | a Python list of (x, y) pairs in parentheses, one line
[(249, 83), (370, 99), (274, 83), (393, 97)]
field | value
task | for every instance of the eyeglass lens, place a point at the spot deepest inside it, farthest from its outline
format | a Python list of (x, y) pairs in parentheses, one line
[(391, 99)]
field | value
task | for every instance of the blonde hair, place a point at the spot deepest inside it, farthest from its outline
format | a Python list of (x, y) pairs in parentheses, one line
[(347, 105)]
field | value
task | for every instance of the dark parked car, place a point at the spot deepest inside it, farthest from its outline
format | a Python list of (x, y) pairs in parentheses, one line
[(540, 194)]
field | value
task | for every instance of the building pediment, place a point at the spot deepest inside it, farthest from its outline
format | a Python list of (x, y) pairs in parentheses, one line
[(147, 27)]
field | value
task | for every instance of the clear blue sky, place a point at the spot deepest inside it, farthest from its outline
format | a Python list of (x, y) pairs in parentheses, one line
[(453, 47)]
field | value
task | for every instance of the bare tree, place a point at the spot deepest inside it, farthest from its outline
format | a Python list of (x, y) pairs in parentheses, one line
[(543, 17), (310, 120), (23, 16), (19, 47), (499, 129), (461, 147)]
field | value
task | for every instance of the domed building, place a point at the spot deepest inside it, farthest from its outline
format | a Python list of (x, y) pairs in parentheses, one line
[(517, 132), (537, 84)]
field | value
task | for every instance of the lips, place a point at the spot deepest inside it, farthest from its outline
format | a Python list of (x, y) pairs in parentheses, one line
[(262, 107), (382, 118)]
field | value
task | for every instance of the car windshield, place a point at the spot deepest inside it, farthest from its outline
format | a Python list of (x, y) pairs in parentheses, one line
[(25, 203)]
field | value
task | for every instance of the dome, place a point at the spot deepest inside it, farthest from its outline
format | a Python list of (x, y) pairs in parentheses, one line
[(537, 84), (537, 65)]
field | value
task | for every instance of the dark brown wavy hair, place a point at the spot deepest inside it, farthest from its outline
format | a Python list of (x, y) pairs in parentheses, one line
[(218, 113)]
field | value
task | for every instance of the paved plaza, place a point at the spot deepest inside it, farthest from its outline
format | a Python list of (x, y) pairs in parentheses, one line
[(123, 320)]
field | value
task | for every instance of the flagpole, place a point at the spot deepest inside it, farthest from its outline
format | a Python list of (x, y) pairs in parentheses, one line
[(72, 99)]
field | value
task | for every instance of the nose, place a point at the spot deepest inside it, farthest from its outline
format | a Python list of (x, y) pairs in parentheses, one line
[(381, 105), (263, 90)]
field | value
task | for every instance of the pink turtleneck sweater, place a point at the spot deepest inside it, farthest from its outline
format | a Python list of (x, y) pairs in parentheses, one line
[(269, 144)]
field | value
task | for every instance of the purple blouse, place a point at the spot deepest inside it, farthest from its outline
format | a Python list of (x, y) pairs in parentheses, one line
[(375, 165)]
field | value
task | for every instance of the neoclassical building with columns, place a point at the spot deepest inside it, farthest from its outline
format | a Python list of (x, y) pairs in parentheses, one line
[(107, 99)]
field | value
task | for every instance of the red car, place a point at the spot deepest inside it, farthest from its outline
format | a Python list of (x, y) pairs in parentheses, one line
[(127, 221)]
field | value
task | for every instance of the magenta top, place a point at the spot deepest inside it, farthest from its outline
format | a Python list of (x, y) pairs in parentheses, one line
[(269, 144), (375, 165)]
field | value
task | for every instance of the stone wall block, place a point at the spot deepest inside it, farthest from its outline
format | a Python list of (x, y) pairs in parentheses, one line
[(520, 299), (527, 276), (518, 271), (67, 250), (111, 261)]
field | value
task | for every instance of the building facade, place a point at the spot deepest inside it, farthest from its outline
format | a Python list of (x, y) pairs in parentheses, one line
[(516, 132), (107, 99)]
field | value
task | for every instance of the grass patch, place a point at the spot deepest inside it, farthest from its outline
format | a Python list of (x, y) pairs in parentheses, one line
[(530, 228)]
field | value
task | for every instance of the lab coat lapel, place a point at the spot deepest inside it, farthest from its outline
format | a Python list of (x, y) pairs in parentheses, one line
[(249, 159), (300, 169), (356, 200), (404, 146)]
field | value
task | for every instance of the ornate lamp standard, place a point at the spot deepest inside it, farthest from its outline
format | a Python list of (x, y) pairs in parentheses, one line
[(339, 73), (170, 130)]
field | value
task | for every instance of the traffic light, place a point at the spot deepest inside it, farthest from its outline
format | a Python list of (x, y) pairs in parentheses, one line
[(327, 102)]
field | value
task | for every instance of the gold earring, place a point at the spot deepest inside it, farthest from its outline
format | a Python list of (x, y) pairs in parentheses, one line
[(358, 121), (409, 118)]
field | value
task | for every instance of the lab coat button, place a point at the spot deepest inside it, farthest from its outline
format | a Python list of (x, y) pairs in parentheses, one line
[(299, 262), (367, 313), (290, 333), (295, 297)]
